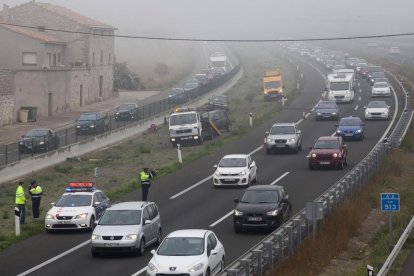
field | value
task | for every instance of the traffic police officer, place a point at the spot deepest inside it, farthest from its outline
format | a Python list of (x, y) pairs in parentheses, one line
[(36, 192), (21, 202), (145, 177)]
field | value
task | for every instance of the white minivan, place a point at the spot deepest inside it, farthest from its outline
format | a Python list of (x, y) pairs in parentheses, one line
[(340, 87)]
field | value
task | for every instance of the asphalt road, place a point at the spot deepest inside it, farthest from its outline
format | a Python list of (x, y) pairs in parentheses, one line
[(203, 206)]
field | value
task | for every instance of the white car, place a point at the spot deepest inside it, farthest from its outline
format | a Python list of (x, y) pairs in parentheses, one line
[(235, 170), (381, 89), (377, 110), (191, 252), (394, 50), (77, 208)]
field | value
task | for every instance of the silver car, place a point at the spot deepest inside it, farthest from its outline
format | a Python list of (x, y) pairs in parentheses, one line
[(127, 227), (283, 136)]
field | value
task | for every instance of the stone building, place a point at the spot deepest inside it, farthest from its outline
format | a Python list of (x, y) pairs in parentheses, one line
[(53, 70)]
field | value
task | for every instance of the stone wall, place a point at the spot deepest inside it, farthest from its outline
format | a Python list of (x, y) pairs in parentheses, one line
[(6, 97)]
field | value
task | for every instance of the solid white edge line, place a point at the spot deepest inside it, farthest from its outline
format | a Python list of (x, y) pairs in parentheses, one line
[(300, 121), (307, 115), (139, 271), (54, 258), (356, 107), (231, 212)]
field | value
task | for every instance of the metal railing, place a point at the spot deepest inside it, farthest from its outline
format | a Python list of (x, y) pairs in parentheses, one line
[(273, 249)]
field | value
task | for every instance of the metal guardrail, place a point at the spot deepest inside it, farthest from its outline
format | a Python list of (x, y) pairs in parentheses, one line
[(273, 249)]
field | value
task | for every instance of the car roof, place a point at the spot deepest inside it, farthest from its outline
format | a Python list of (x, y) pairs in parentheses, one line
[(264, 188), (350, 117), (328, 138), (284, 124), (381, 82), (82, 193), (235, 156), (196, 233), (130, 205), (40, 128)]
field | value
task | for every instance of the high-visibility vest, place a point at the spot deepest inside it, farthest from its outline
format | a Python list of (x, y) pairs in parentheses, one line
[(20, 197), (36, 191), (144, 177)]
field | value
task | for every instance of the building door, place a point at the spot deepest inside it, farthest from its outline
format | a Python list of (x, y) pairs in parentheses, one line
[(81, 95), (49, 104), (100, 86)]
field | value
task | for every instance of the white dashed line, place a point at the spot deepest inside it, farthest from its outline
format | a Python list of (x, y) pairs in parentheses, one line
[(139, 271), (356, 107)]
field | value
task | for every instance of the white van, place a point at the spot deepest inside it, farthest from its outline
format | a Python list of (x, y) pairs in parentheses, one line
[(341, 87)]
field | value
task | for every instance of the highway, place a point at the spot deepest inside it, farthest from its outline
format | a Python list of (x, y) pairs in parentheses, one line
[(187, 198)]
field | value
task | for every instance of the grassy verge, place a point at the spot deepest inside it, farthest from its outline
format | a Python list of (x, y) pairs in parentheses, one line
[(120, 163)]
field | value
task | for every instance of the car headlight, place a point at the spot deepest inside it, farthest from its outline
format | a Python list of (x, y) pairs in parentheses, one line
[(272, 213), (217, 173), (358, 131), (81, 216), (197, 267), (269, 140), (41, 142), (292, 139), (335, 155), (117, 113), (319, 114), (49, 216), (77, 126), (152, 267), (21, 142), (338, 131), (238, 213), (131, 237), (242, 172), (333, 113), (92, 126), (347, 92), (313, 155), (95, 237)]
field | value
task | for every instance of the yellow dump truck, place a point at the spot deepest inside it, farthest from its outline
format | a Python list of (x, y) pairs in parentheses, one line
[(272, 85)]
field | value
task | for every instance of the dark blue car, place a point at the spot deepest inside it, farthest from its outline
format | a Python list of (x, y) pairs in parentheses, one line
[(350, 128)]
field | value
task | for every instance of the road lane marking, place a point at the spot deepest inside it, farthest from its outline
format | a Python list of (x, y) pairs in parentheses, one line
[(139, 271), (54, 258), (231, 212), (307, 115), (356, 107), (359, 98)]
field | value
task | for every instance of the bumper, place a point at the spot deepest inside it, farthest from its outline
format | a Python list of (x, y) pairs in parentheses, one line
[(230, 180), (326, 116), (374, 116), (125, 117), (37, 148), (177, 272), (185, 139), (252, 222), (280, 146), (380, 94), (273, 96), (350, 136), (85, 131), (340, 98), (54, 224), (325, 163), (115, 246)]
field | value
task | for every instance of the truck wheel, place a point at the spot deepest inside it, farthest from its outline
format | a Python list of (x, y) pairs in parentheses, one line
[(200, 139)]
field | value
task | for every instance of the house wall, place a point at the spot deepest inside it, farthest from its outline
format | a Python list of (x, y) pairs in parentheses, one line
[(6, 97)]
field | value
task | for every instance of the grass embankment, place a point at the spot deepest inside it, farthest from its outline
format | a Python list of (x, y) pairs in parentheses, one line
[(119, 164)]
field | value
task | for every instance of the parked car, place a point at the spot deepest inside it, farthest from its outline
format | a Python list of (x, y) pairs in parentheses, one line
[(262, 206), (219, 118), (39, 139), (188, 252), (377, 110), (127, 227), (92, 123), (178, 95), (381, 89), (326, 110), (235, 170), (351, 128), (127, 111), (282, 137), (220, 101), (328, 151)]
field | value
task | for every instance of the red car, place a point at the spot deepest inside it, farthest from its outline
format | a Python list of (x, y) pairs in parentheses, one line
[(328, 151)]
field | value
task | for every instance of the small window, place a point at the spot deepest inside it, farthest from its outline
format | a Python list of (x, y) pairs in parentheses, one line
[(29, 58), (59, 58), (93, 58), (101, 57), (109, 59), (146, 215), (212, 240)]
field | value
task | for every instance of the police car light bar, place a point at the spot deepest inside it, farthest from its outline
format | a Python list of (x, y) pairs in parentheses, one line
[(80, 187)]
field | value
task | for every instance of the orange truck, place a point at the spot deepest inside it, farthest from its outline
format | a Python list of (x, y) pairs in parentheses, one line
[(272, 85)]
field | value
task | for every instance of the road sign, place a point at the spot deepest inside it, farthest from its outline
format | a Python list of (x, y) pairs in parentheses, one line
[(390, 202)]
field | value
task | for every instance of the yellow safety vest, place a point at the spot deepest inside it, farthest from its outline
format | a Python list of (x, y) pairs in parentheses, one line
[(144, 176), (36, 192), (20, 197)]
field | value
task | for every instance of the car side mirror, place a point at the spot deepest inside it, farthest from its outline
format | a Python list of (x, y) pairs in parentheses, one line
[(153, 252), (344, 146), (147, 221), (267, 133), (363, 124), (96, 222), (215, 166), (236, 200), (326, 89), (53, 203), (365, 107), (96, 203), (336, 125), (283, 86), (299, 131)]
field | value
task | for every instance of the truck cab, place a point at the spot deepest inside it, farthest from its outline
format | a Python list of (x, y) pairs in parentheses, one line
[(185, 127), (272, 85), (340, 87)]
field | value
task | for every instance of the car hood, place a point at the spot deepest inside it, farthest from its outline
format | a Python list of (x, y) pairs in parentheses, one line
[(229, 170), (124, 110), (349, 128), (180, 263), (324, 151), (377, 110), (69, 211), (326, 110), (380, 88), (35, 139), (259, 208), (281, 136), (85, 122), (116, 230)]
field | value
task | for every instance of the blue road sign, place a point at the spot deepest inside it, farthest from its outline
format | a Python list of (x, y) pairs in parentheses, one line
[(390, 202)]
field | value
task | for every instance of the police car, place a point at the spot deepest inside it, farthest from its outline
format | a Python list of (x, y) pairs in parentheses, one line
[(77, 208)]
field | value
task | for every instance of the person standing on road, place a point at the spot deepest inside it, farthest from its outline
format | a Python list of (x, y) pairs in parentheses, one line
[(21, 202), (36, 192), (145, 176)]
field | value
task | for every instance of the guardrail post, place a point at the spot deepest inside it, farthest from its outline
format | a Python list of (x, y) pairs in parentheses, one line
[(269, 259), (245, 264), (231, 272), (279, 238), (328, 204), (290, 240), (298, 225), (258, 255), (6, 156)]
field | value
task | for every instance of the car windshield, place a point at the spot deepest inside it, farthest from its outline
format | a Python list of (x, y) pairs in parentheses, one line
[(175, 91), (330, 105), (221, 99), (181, 246), (377, 104), (190, 84), (121, 217), (87, 117), (339, 85), (380, 85), (37, 132), (326, 144), (272, 84), (260, 197), (74, 200), (280, 130), (232, 162), (126, 106), (182, 119), (350, 122)]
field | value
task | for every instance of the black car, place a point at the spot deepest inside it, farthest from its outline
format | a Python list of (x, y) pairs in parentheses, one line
[(39, 139), (326, 110), (372, 78), (92, 123), (262, 206), (178, 95), (215, 119), (219, 101), (127, 112)]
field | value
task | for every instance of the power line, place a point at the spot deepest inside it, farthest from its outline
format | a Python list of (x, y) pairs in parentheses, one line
[(211, 40)]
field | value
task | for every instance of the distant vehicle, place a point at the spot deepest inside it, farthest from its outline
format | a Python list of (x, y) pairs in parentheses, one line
[(208, 72), (350, 128), (178, 95), (38, 139), (381, 89), (191, 85), (92, 123), (218, 72), (394, 50), (235, 170), (273, 85), (218, 60), (328, 151), (185, 126), (201, 78), (219, 118), (377, 110), (326, 110), (282, 137), (219, 101), (376, 75), (341, 87), (127, 111), (127, 227), (262, 206)]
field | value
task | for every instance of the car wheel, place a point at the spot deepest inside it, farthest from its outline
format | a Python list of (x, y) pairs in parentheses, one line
[(237, 229), (174, 145), (296, 149), (268, 151), (47, 147), (94, 253), (200, 139), (159, 237), (289, 214), (141, 249), (207, 272), (92, 224), (300, 146), (345, 162), (222, 264)]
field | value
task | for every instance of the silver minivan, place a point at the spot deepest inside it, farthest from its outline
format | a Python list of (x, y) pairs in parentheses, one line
[(127, 227)]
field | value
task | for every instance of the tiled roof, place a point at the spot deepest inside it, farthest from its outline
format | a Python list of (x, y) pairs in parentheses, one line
[(72, 15), (43, 36)]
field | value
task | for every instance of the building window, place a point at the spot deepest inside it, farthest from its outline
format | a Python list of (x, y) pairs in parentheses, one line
[(109, 59), (29, 58), (59, 58), (93, 58), (49, 59), (54, 60), (101, 57)]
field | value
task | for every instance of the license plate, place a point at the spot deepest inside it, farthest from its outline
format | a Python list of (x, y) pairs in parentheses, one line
[(325, 163), (254, 218), (184, 138), (111, 244), (231, 179), (280, 145), (65, 222), (349, 134)]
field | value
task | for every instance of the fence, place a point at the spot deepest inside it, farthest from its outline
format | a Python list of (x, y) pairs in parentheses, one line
[(272, 250), (11, 153)]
